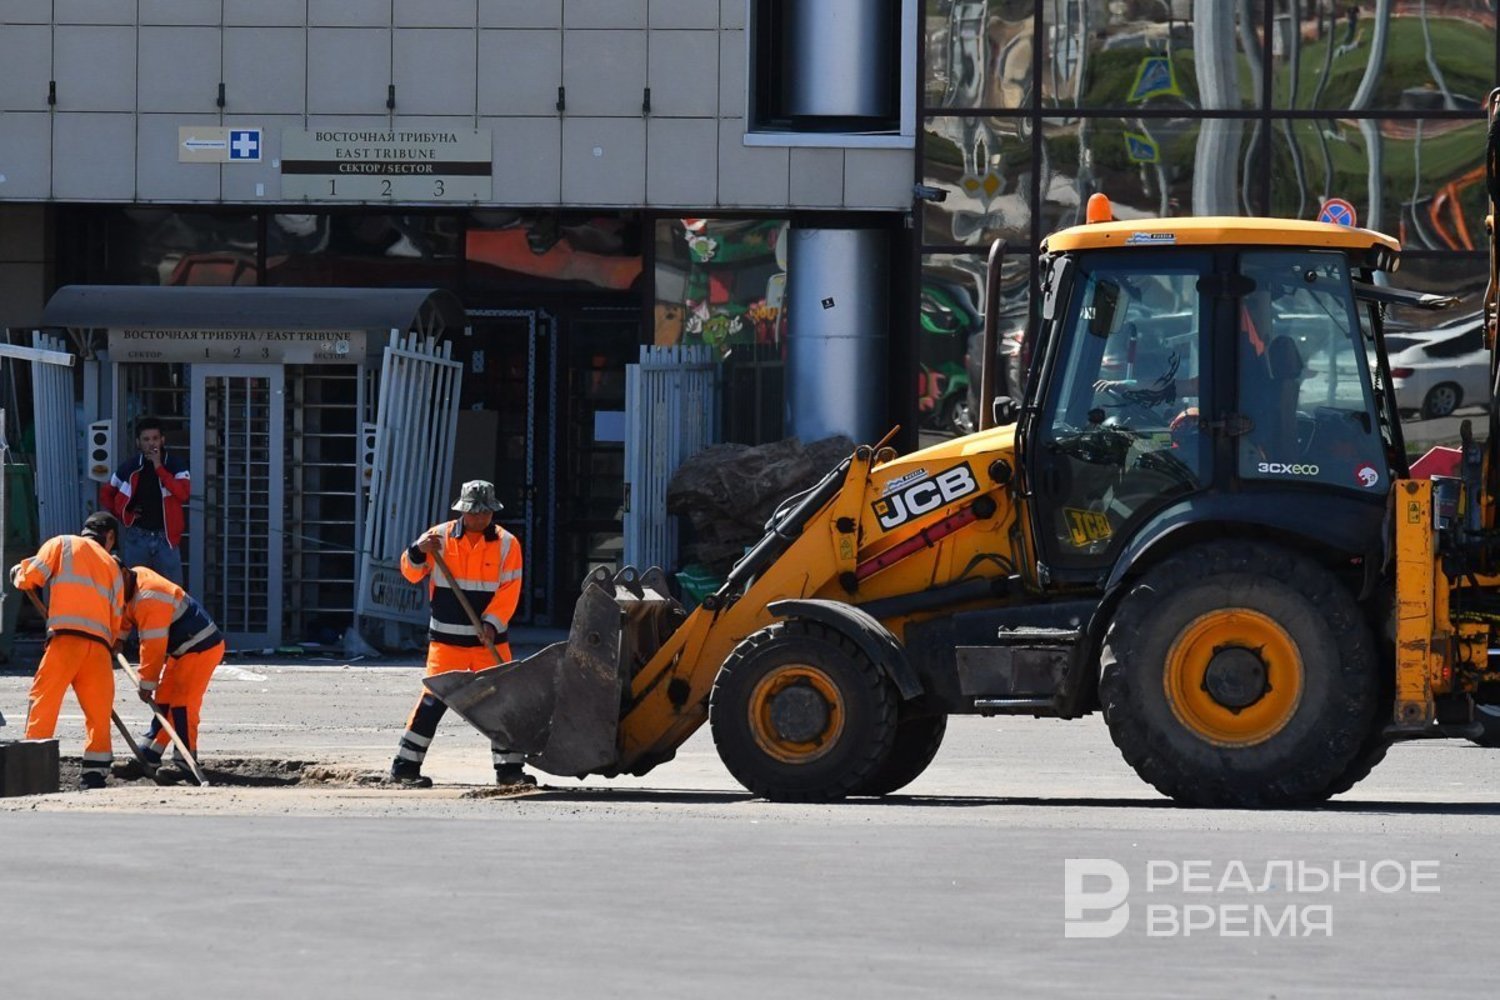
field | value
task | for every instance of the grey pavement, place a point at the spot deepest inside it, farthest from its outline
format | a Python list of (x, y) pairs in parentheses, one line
[(678, 883)]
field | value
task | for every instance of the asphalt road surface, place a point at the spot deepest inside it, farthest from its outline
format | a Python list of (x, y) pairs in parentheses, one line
[(679, 884)]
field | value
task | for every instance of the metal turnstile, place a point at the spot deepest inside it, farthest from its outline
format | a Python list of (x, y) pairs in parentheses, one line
[(237, 527)]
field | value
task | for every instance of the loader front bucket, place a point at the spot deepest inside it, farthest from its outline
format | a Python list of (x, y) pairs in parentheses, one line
[(561, 707)]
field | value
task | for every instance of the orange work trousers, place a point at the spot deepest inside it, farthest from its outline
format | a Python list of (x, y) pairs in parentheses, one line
[(183, 683), (441, 659), (87, 667)]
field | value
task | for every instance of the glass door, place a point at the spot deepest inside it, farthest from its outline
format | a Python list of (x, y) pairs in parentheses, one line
[(506, 407), (598, 344), (1118, 436)]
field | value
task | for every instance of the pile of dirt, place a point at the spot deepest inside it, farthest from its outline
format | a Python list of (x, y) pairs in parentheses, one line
[(500, 792), (238, 772), (727, 492)]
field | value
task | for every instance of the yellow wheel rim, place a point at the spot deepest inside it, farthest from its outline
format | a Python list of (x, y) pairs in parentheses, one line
[(809, 685), (1210, 658)]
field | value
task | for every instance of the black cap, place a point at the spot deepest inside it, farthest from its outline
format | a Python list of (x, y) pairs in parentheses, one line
[(100, 523)]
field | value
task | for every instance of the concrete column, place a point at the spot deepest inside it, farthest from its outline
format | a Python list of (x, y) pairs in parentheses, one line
[(838, 324)]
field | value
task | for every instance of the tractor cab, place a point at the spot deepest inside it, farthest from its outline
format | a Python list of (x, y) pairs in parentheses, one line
[(1206, 376)]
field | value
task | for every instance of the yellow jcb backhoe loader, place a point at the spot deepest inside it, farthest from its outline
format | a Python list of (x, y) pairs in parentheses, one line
[(1202, 524)]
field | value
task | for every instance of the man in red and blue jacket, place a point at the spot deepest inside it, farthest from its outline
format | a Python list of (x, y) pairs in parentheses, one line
[(147, 493)]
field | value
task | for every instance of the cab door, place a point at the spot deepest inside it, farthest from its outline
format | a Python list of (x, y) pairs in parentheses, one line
[(1112, 432)]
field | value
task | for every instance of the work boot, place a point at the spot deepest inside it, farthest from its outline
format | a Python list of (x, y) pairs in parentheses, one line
[(90, 779), (511, 774), (174, 771), (409, 773), (131, 769)]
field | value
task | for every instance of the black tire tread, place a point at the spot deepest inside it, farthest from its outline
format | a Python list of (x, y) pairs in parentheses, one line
[(742, 761), (918, 739), (1315, 770)]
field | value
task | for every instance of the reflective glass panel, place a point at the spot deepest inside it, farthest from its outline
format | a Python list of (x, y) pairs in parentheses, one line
[(720, 281), (1421, 181), (1425, 56), (978, 53), (950, 344), (983, 167), (1157, 54), (1150, 168), (556, 251), (159, 246), (362, 250)]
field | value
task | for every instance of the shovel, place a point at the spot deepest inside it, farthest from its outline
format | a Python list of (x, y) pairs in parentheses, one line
[(187, 755)]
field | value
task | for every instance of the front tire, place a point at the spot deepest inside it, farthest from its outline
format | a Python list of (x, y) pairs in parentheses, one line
[(800, 714), (1240, 674)]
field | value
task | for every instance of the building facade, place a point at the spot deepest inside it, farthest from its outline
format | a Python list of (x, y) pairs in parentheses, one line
[(592, 176)]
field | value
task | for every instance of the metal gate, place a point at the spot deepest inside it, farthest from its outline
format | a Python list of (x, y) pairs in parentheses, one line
[(670, 404), (59, 502), (237, 524), (415, 419)]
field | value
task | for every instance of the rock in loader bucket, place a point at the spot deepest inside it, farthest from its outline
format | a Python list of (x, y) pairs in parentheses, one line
[(562, 706)]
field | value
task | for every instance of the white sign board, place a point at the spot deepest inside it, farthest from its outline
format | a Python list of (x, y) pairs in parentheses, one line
[(213, 144), (385, 593), (290, 347), (373, 165)]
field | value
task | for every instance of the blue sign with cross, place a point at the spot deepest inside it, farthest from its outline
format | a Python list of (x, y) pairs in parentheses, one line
[(244, 144), (1339, 212)]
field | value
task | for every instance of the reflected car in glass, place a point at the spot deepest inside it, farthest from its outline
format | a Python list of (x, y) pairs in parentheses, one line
[(1438, 371)]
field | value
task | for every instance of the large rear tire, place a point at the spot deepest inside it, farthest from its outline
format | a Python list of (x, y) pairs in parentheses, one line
[(1240, 674), (918, 738), (1488, 717), (800, 714)]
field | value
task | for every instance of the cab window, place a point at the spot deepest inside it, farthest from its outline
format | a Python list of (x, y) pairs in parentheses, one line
[(1304, 375), (1120, 434)]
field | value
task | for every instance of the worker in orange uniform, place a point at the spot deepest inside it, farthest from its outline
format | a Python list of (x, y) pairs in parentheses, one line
[(180, 647), (485, 560), (85, 607)]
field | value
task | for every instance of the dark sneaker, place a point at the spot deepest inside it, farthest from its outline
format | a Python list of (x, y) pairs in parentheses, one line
[(90, 779), (404, 772), (511, 774)]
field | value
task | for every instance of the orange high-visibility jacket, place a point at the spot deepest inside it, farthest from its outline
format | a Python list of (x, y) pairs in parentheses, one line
[(487, 567), (88, 593), (170, 621)]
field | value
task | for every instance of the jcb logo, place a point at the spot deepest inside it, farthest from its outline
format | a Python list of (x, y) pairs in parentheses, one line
[(1086, 526), (924, 495)]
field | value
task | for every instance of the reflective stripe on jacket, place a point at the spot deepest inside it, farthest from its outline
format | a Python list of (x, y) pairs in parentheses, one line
[(170, 620), (487, 567), (137, 473), (88, 594)]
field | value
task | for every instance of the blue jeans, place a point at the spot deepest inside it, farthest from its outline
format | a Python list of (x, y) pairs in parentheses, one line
[(149, 548)]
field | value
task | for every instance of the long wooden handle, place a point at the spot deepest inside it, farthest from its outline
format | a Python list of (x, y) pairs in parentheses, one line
[(463, 602), (182, 748), (119, 722)]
